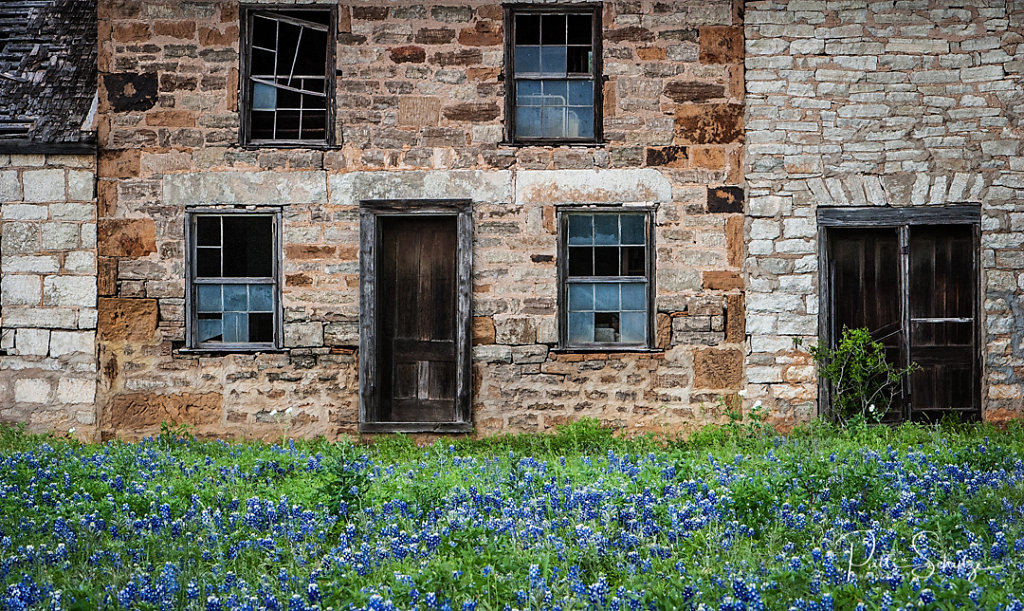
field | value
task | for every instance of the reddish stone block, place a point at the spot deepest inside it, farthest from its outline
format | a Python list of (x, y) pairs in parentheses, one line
[(734, 240), (722, 281), (143, 410), (484, 34), (633, 33), (717, 368), (483, 330), (298, 281), (119, 164), (709, 123), (106, 276), (171, 118), (708, 157), (683, 91), (651, 53), (214, 37), (721, 44), (309, 251), (434, 36), (131, 31), (408, 54), (126, 319), (472, 111), (462, 57), (735, 320), (125, 237), (175, 29)]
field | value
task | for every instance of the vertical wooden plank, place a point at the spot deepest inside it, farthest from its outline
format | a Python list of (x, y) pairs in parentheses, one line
[(463, 326), (367, 317)]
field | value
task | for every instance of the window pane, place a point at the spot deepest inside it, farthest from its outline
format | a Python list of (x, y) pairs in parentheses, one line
[(287, 125), (208, 231), (555, 93), (552, 30), (552, 122), (261, 298), (606, 229), (312, 53), (606, 327), (528, 93), (289, 99), (210, 330), (606, 261), (236, 298), (633, 327), (581, 229), (581, 261), (527, 59), (606, 297), (248, 246), (261, 328), (314, 124), (262, 127), (208, 262), (634, 296), (528, 122), (236, 327), (264, 32), (262, 63), (264, 97), (633, 228), (580, 123), (209, 298), (578, 60), (527, 29), (581, 327), (552, 60), (580, 30), (634, 261), (581, 297), (287, 41), (581, 93)]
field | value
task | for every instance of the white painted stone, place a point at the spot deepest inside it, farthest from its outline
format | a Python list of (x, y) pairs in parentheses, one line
[(88, 235), (835, 189), (43, 185), (10, 188), (1000, 147), (24, 212), (769, 205), (592, 186), (251, 188), (71, 391), (817, 187), (63, 343), (32, 390), (20, 289), (303, 334), (32, 342), (87, 319), (69, 291), (917, 46), (47, 318), (855, 185), (477, 185)]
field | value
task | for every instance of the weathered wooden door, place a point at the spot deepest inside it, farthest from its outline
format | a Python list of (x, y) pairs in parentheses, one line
[(914, 286), (417, 301)]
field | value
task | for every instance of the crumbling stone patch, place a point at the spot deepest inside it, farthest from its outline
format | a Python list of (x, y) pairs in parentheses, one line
[(128, 412), (126, 237), (717, 368), (709, 123), (121, 320), (125, 91)]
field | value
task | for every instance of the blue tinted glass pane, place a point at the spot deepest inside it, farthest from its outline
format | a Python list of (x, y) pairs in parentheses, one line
[(261, 298), (528, 93), (606, 229), (209, 330), (264, 97), (581, 297), (580, 123), (528, 122), (581, 229), (633, 228), (236, 298), (527, 59), (552, 122), (236, 327), (555, 93), (552, 60), (632, 327), (634, 296), (581, 327), (606, 297), (209, 298), (581, 93)]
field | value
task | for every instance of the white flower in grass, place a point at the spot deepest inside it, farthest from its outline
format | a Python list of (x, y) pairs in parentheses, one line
[(757, 404), (71, 431), (273, 412), (288, 411), (742, 393), (871, 408)]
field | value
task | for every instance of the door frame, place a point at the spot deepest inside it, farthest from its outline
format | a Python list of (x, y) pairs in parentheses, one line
[(371, 213), (901, 219)]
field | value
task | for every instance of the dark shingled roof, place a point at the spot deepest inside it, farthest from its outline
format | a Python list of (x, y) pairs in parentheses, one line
[(47, 75)]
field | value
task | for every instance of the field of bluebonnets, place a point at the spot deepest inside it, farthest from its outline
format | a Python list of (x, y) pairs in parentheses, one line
[(734, 518)]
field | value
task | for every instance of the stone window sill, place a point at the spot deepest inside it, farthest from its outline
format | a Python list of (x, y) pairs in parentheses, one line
[(606, 350), (228, 351), (554, 144)]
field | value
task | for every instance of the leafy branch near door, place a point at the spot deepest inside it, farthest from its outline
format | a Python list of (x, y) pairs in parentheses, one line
[(864, 384)]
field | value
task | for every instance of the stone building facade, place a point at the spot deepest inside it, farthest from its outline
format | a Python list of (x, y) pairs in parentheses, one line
[(741, 151)]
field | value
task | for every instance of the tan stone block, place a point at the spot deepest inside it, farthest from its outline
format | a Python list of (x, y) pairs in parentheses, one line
[(417, 111), (651, 53), (483, 330), (126, 319), (722, 281), (663, 331), (708, 123), (142, 410), (171, 118), (709, 157), (106, 198), (484, 34), (106, 276), (734, 239), (309, 251), (215, 37), (175, 29), (131, 31), (735, 322), (721, 44), (232, 85), (119, 164), (717, 368), (482, 74), (126, 237)]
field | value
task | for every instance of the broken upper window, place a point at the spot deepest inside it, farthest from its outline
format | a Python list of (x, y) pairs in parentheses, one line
[(233, 285), (606, 278), (288, 67), (555, 59)]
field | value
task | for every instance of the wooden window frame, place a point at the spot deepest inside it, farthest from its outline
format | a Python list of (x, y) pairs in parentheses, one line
[(562, 221), (509, 75), (371, 212), (192, 281), (247, 11), (900, 219)]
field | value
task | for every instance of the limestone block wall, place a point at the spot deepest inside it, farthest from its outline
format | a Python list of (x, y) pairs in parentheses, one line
[(420, 113), (48, 291), (907, 103)]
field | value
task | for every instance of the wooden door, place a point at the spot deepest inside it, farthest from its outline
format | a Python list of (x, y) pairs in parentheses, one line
[(417, 313), (943, 322)]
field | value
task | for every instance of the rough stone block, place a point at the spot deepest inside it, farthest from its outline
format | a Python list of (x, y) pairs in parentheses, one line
[(717, 368), (81, 185), (41, 264), (670, 156), (32, 342), (69, 291), (63, 343), (136, 411), (725, 199), (303, 334), (418, 111), (483, 330), (119, 164), (592, 186), (472, 112), (122, 319), (10, 187), (76, 392), (32, 390), (722, 281), (721, 44), (515, 331), (255, 188), (480, 186), (25, 212), (126, 237), (709, 123), (59, 236), (43, 185), (46, 318), (20, 289)]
